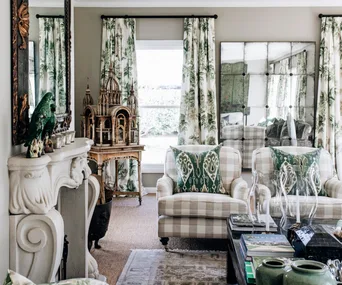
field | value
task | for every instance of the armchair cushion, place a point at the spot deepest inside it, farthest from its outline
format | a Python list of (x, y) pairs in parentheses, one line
[(200, 205), (164, 186), (198, 172), (297, 169)]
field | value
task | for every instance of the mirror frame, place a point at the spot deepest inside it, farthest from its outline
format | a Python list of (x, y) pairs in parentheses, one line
[(20, 23)]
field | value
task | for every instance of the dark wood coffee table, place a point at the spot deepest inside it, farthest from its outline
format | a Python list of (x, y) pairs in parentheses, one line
[(235, 260)]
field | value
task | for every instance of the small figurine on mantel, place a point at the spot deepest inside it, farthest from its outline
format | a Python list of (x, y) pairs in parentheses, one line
[(41, 127)]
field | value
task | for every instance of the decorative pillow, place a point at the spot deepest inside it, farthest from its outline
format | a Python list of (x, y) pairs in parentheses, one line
[(14, 278), (198, 172), (301, 171)]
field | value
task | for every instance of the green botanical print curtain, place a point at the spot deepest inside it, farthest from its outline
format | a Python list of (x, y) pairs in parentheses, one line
[(328, 116), (283, 92), (52, 72), (300, 70), (198, 122), (118, 49)]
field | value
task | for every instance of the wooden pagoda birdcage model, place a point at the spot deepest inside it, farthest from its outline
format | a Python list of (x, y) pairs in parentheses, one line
[(114, 129), (110, 123)]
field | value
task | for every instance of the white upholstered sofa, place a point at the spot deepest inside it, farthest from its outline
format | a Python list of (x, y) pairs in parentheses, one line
[(200, 215), (329, 207)]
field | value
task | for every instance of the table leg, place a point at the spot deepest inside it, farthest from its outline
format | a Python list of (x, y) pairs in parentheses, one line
[(139, 181), (231, 278)]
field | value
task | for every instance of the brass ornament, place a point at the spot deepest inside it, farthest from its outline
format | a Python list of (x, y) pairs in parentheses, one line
[(24, 24)]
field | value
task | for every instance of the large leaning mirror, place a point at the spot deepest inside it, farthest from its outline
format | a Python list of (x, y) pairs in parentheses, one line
[(266, 95), (40, 61)]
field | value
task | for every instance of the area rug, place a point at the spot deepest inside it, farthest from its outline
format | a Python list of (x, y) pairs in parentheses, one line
[(158, 267)]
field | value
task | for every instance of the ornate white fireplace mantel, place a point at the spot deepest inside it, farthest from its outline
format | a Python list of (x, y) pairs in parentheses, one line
[(50, 197)]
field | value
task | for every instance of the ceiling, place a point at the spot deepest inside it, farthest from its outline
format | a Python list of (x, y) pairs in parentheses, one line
[(190, 3)]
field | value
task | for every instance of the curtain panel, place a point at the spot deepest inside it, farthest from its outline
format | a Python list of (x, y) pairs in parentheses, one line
[(198, 116), (52, 57), (328, 115), (118, 50)]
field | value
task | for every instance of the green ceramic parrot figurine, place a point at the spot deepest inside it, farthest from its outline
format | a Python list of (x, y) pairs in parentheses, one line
[(42, 123)]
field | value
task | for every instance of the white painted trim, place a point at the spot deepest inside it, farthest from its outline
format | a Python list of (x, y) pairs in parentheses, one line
[(152, 168), (159, 44), (150, 190), (207, 3), (47, 3)]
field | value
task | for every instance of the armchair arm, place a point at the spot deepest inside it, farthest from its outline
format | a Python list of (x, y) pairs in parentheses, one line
[(239, 189), (263, 194), (333, 187), (164, 186)]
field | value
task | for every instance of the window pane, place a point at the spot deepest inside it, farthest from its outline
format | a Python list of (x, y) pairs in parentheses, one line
[(159, 91), (158, 121)]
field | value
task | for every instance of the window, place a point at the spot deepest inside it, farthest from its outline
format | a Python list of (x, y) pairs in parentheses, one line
[(159, 65)]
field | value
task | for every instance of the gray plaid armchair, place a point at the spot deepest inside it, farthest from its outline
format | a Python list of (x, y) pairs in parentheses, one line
[(200, 215), (329, 207)]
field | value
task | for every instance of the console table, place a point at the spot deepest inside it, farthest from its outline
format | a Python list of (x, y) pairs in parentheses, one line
[(50, 197), (102, 154)]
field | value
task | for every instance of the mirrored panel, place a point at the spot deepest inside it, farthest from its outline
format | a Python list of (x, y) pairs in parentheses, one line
[(262, 86)]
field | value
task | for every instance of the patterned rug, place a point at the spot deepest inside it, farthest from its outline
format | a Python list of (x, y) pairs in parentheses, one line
[(158, 267)]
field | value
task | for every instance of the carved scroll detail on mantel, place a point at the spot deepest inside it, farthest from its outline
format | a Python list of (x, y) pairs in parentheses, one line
[(79, 169), (30, 192), (39, 239)]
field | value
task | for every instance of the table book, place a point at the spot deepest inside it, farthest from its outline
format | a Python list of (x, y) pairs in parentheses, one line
[(266, 245)]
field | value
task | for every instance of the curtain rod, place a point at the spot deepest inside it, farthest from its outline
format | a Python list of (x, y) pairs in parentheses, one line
[(49, 16), (321, 15), (160, 16)]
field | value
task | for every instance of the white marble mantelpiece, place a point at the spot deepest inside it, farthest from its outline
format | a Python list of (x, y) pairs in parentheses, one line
[(52, 196)]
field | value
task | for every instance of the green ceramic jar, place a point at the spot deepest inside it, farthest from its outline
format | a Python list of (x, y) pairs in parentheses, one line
[(270, 272), (308, 272)]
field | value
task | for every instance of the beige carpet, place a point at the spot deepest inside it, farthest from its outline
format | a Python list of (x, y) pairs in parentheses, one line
[(135, 227)]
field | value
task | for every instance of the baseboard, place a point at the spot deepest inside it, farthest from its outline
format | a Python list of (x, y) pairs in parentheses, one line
[(150, 190)]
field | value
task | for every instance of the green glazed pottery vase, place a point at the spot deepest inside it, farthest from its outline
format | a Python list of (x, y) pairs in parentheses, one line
[(270, 272), (308, 272)]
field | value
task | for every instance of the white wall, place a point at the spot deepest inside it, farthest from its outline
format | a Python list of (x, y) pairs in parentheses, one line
[(5, 131)]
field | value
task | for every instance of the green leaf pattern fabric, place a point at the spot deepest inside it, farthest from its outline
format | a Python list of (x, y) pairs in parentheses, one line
[(301, 172), (52, 60), (198, 118), (118, 49), (198, 172), (328, 128)]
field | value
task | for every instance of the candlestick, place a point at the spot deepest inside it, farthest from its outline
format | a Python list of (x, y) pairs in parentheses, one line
[(297, 208)]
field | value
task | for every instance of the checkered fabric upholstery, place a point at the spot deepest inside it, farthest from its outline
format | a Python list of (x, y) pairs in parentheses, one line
[(202, 205), (328, 207), (245, 139), (200, 215), (234, 132), (230, 159), (186, 227)]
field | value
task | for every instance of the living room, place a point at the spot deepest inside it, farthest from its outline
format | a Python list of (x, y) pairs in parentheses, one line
[(254, 29)]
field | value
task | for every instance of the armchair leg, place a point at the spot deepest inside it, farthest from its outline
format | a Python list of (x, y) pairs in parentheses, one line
[(164, 241)]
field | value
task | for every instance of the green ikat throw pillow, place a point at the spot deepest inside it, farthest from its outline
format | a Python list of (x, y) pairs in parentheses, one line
[(198, 172), (298, 171)]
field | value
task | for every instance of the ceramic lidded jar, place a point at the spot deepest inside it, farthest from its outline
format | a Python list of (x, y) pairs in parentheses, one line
[(271, 271), (308, 272)]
